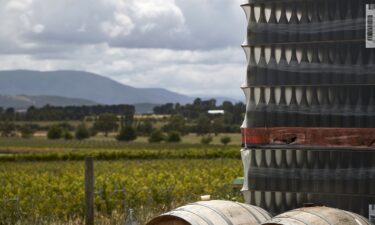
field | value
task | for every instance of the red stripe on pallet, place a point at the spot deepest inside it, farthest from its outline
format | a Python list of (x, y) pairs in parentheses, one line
[(335, 137)]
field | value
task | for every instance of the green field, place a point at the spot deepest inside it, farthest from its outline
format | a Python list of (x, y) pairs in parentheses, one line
[(16, 149), (187, 139), (41, 142), (41, 181), (42, 149)]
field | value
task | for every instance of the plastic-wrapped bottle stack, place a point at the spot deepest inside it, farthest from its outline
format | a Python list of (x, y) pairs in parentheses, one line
[(309, 130)]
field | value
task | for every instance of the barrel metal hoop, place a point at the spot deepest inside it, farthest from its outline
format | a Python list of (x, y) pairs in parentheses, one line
[(256, 208), (293, 218), (315, 214), (205, 219), (215, 210), (355, 217), (174, 214), (258, 220)]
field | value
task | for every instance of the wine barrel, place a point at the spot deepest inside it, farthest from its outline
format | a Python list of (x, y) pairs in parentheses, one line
[(215, 212), (318, 215)]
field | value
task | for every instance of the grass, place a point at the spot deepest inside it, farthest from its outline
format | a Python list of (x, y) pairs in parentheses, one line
[(40, 144)]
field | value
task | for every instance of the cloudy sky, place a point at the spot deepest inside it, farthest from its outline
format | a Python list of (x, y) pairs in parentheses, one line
[(188, 46)]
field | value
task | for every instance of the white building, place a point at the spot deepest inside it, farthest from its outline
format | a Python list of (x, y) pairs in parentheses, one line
[(216, 112)]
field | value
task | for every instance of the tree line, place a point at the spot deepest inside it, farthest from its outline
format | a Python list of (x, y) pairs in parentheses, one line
[(59, 113), (171, 121), (194, 117)]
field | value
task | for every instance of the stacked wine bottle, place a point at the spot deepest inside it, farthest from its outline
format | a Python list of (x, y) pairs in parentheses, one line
[(309, 21), (309, 129), (311, 106), (315, 49), (323, 64), (290, 177)]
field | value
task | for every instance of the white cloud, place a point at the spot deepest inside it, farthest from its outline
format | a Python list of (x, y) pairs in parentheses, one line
[(39, 28), (18, 5), (187, 46), (177, 24), (191, 72), (156, 9)]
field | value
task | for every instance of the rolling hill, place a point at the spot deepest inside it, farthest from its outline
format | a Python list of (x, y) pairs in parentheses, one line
[(82, 85), (24, 101)]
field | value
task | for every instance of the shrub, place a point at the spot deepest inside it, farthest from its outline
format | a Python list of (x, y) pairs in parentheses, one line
[(89, 119), (106, 123), (225, 140), (145, 128), (7, 129), (55, 132), (203, 124), (93, 132), (66, 126), (174, 136), (206, 140), (156, 136), (27, 131), (67, 135), (127, 134), (176, 123), (82, 132)]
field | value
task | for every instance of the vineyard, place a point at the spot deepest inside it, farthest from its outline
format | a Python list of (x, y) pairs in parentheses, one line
[(53, 193), (43, 144), (42, 181), (16, 149)]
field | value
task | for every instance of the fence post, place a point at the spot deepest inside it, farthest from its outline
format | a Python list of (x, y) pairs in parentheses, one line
[(89, 191)]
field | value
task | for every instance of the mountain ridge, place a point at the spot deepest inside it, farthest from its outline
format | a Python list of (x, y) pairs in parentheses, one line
[(82, 85), (23, 101)]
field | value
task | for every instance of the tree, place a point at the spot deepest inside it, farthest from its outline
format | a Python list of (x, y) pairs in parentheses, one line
[(7, 129), (227, 106), (67, 135), (225, 140), (145, 128), (82, 132), (218, 125), (127, 134), (176, 123), (60, 113), (106, 123), (197, 102), (206, 140), (66, 126), (10, 111), (238, 113), (164, 109), (203, 125), (27, 131), (93, 132), (127, 118), (156, 136), (55, 132), (174, 136)]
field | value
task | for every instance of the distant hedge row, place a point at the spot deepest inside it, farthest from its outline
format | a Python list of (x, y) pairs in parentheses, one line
[(191, 153)]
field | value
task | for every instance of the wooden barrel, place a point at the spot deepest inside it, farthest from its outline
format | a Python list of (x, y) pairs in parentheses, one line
[(317, 215), (215, 212)]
